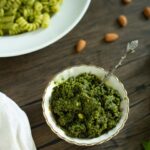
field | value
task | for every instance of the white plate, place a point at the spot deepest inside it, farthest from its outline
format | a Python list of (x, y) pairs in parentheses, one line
[(64, 21)]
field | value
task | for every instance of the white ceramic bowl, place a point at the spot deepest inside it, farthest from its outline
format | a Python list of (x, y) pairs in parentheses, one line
[(64, 21), (74, 71)]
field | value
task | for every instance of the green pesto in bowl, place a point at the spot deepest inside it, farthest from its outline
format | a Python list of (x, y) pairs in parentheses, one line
[(83, 108)]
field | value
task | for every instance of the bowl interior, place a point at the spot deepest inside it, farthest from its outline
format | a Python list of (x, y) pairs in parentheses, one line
[(74, 71)]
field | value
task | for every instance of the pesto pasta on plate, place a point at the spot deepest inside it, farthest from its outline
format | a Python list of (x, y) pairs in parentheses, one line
[(47, 20), (18, 16)]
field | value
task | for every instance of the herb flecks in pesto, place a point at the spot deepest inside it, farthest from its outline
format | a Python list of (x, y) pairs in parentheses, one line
[(83, 108)]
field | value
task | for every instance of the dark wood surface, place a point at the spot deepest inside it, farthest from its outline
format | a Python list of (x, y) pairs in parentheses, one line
[(24, 78)]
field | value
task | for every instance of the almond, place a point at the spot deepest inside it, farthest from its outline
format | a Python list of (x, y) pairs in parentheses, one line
[(122, 20), (111, 37), (147, 12), (81, 45), (126, 1)]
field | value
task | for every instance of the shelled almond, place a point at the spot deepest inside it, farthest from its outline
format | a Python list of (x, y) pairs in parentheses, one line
[(81, 45), (111, 37), (126, 1), (147, 12), (122, 20)]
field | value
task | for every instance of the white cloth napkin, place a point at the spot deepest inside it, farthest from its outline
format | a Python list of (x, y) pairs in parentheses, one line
[(15, 132)]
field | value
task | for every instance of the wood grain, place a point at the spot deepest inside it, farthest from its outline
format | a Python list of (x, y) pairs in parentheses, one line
[(24, 78)]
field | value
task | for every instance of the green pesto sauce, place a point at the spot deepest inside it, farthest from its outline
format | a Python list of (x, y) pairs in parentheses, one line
[(83, 108)]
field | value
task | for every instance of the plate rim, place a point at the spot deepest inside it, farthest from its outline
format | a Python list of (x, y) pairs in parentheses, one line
[(37, 48)]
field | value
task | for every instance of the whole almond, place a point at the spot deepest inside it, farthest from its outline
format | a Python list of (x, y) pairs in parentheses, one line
[(126, 1), (147, 12), (81, 45), (111, 37), (122, 20)]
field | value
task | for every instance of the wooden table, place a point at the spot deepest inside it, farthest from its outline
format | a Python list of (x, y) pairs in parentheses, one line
[(24, 78)]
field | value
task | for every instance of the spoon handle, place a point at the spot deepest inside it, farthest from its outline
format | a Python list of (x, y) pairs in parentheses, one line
[(130, 49)]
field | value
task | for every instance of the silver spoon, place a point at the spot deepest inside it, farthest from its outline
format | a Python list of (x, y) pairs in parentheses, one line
[(131, 46)]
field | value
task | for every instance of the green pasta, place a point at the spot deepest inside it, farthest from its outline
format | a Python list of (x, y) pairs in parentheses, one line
[(1, 12), (1, 32), (19, 16), (45, 20)]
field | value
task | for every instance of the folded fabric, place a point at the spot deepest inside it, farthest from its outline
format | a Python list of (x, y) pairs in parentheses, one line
[(15, 132)]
